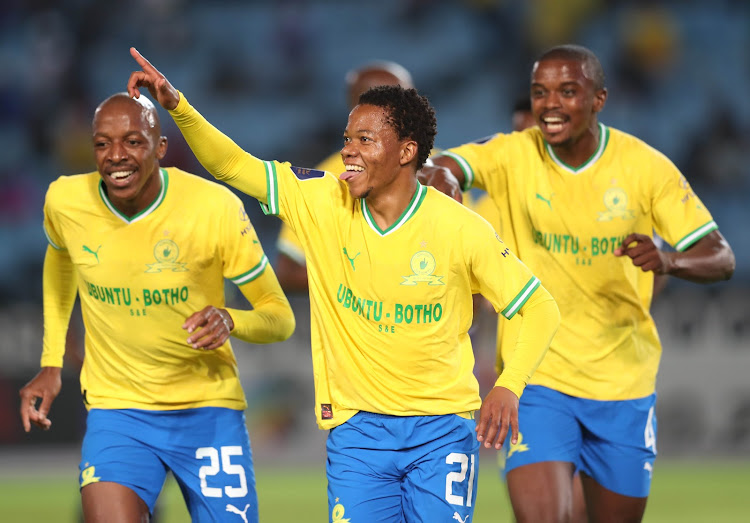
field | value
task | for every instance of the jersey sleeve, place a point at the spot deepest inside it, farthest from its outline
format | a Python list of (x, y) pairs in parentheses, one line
[(241, 252), (499, 275), (479, 161), (51, 232), (513, 289), (219, 154), (679, 215)]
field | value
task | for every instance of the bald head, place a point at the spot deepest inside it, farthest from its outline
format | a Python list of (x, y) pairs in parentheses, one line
[(590, 65), (374, 74), (123, 101)]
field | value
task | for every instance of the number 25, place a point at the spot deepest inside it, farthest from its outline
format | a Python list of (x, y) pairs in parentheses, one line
[(226, 465)]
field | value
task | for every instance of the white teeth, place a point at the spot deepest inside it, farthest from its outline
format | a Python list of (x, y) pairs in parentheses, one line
[(553, 119), (357, 168), (119, 175)]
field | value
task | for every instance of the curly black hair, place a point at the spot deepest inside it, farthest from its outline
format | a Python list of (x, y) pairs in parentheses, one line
[(409, 113)]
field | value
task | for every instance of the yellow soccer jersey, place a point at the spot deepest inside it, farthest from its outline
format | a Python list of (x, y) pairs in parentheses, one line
[(287, 242), (391, 309), (564, 224), (139, 278)]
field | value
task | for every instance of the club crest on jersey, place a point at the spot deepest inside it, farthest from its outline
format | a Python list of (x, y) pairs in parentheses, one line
[(422, 265), (307, 174), (166, 253), (616, 202)]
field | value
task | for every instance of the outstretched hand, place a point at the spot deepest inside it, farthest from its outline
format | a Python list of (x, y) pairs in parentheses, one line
[(156, 83), (645, 254), (499, 413), (46, 386), (209, 328)]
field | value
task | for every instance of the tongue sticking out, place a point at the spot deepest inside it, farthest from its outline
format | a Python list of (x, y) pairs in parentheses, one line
[(347, 175)]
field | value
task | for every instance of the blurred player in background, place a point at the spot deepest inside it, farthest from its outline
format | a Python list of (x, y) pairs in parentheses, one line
[(291, 268), (392, 266), (580, 201), (147, 250)]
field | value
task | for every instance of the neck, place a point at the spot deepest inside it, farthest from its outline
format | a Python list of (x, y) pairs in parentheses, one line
[(147, 194), (576, 153), (387, 206)]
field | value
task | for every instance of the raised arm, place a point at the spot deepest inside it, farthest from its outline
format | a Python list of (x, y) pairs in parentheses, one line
[(221, 157)]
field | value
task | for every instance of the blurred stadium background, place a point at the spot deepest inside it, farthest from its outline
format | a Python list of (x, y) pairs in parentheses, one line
[(270, 74)]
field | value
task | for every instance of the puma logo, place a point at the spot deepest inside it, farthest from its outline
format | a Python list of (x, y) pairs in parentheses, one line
[(351, 260), (648, 468), (458, 518), (235, 510), (545, 200), (95, 253)]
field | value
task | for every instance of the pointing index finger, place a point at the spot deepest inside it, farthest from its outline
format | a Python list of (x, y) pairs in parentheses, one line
[(145, 64)]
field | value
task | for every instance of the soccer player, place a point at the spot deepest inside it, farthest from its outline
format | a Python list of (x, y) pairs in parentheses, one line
[(291, 267), (392, 266), (147, 249), (580, 202)]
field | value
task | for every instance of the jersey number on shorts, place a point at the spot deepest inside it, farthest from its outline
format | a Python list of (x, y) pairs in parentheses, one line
[(226, 465), (649, 435), (459, 477)]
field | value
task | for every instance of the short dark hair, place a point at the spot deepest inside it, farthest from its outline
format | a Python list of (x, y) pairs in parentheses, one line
[(592, 67), (409, 113)]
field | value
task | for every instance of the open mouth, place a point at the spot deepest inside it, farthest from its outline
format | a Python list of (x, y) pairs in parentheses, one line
[(351, 172), (121, 177), (553, 124)]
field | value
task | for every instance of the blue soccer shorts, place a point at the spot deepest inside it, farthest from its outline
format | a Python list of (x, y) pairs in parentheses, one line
[(614, 442), (402, 469), (207, 449)]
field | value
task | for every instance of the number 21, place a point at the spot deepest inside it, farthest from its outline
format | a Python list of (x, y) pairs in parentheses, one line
[(459, 477)]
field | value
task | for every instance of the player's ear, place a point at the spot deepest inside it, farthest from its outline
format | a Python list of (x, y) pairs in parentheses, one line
[(409, 150), (161, 148), (600, 98)]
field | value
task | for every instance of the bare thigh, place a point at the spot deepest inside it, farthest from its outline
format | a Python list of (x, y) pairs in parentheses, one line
[(542, 492), (603, 505), (112, 503)]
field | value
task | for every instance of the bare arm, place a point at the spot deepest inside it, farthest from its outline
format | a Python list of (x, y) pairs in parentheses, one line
[(444, 174), (292, 275), (708, 260)]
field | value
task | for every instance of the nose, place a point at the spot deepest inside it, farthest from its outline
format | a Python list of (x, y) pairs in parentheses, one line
[(348, 149), (117, 152), (552, 99)]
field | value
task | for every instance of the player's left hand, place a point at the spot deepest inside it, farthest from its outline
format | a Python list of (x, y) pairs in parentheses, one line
[(209, 328), (499, 412), (645, 254)]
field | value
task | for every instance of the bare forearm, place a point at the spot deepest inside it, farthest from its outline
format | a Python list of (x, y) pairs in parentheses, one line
[(711, 259)]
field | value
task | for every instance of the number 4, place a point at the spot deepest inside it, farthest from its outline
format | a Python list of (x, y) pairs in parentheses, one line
[(458, 477), (226, 465)]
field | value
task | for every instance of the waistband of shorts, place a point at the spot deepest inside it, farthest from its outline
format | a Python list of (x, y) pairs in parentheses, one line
[(469, 414)]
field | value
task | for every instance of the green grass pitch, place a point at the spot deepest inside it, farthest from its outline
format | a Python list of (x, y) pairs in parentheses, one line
[(681, 492)]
